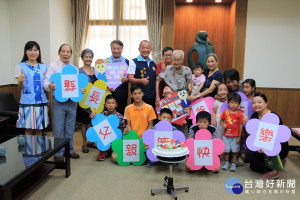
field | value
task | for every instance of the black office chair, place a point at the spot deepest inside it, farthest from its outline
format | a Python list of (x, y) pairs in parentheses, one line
[(9, 108)]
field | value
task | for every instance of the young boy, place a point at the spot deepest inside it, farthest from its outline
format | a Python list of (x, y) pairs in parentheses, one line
[(165, 115), (110, 106), (203, 119), (231, 121), (139, 115)]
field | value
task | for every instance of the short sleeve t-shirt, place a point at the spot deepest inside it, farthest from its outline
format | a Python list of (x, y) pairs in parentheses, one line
[(139, 118), (198, 80), (216, 76), (233, 122)]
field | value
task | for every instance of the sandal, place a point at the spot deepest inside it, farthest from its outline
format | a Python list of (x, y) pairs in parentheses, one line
[(85, 149), (92, 145)]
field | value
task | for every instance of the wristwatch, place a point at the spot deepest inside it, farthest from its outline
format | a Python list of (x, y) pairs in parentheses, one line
[(198, 96)]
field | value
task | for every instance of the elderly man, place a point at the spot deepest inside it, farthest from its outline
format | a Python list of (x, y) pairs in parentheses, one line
[(142, 71), (176, 76), (64, 113)]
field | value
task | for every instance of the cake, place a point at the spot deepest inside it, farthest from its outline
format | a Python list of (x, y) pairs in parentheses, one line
[(170, 150)]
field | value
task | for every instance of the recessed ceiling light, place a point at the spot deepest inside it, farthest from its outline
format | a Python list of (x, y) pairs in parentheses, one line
[(218, 1), (189, 1)]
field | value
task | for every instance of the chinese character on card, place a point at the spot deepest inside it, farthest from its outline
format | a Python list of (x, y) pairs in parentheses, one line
[(130, 149)]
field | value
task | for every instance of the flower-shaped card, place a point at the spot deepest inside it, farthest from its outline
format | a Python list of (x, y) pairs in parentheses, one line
[(173, 103), (115, 71), (69, 84), (245, 106), (204, 151), (104, 131), (202, 104), (94, 96), (163, 130), (267, 134), (100, 67), (130, 150)]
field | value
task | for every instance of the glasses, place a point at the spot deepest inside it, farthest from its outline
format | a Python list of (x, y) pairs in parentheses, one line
[(177, 60), (167, 55)]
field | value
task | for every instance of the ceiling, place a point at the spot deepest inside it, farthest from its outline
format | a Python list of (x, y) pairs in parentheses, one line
[(204, 2)]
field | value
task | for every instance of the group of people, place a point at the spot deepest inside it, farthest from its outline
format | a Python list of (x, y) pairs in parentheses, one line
[(150, 82)]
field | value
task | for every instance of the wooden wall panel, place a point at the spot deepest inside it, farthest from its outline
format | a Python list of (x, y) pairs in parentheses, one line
[(285, 102), (215, 19), (232, 31), (239, 43), (168, 23)]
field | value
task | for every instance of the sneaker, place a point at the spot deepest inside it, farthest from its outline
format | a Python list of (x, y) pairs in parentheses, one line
[(267, 175), (101, 156), (225, 166), (233, 167), (240, 162), (150, 164)]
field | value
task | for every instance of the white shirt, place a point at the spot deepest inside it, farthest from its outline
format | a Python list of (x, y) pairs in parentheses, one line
[(55, 67)]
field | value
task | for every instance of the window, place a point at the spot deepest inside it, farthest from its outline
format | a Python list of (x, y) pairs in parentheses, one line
[(119, 19)]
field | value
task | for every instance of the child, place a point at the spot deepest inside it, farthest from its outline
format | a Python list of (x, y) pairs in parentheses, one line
[(165, 115), (203, 119), (111, 105), (167, 92), (198, 79), (231, 121), (139, 115), (33, 110), (249, 88), (222, 92)]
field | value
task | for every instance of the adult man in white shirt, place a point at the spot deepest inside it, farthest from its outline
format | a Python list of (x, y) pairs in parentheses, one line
[(64, 113)]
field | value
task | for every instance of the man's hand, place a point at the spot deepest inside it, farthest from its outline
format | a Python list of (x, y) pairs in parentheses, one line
[(52, 86), (145, 81), (157, 100), (190, 85), (124, 79), (163, 67)]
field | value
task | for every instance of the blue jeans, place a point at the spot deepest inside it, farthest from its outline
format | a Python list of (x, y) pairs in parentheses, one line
[(64, 117)]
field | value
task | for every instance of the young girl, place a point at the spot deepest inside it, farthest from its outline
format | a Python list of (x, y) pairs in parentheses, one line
[(198, 79), (249, 88), (33, 110), (222, 93)]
